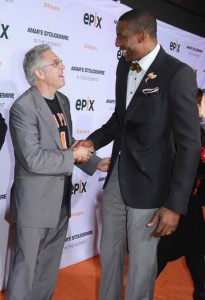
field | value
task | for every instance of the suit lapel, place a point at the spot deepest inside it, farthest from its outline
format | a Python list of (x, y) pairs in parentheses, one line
[(46, 114), (121, 87)]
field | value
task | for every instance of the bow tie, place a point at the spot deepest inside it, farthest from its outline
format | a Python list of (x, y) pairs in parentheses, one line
[(135, 67)]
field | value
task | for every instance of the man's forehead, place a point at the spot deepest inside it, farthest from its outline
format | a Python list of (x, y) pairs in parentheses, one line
[(121, 26), (124, 27), (50, 54)]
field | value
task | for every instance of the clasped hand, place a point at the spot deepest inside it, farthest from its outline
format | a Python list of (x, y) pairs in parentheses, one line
[(83, 150)]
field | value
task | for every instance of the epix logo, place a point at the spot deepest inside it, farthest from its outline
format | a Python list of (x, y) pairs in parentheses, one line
[(174, 47), (79, 187), (3, 31), (85, 104), (92, 20)]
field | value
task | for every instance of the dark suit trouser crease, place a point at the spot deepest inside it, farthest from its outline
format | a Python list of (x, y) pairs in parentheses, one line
[(35, 260), (124, 230)]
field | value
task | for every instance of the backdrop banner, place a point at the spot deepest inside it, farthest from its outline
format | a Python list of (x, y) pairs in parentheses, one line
[(82, 33)]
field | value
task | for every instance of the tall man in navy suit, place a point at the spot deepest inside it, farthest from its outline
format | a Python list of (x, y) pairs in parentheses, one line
[(155, 129), (41, 132)]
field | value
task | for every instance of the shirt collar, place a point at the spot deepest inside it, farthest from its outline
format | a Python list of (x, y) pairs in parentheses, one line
[(147, 60)]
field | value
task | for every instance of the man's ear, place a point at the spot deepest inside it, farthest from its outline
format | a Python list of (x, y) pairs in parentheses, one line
[(39, 74), (142, 36)]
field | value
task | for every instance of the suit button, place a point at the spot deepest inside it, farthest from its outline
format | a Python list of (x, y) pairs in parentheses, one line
[(62, 178)]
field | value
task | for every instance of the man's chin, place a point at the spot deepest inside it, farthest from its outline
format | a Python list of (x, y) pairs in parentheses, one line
[(126, 56), (124, 52)]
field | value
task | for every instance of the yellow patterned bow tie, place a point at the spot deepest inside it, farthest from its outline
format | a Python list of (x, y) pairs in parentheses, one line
[(135, 67)]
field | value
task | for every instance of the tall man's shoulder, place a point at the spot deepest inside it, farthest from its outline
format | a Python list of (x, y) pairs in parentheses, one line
[(176, 63)]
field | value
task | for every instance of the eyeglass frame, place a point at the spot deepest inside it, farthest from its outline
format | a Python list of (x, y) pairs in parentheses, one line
[(55, 63)]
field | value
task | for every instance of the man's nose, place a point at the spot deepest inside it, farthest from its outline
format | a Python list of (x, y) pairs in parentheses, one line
[(117, 43)]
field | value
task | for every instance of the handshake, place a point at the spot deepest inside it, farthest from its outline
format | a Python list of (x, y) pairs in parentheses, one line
[(82, 152)]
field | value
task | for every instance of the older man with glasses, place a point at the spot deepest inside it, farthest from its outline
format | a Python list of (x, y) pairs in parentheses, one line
[(41, 132)]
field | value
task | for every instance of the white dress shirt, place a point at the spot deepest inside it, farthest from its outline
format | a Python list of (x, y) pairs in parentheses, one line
[(135, 78)]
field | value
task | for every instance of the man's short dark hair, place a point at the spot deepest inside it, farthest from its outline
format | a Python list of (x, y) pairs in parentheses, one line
[(140, 20)]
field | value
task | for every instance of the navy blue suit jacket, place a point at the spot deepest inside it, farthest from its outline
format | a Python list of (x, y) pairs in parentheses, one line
[(158, 136)]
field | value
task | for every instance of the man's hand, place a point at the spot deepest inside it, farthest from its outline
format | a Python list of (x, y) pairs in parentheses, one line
[(104, 164), (167, 221), (84, 143), (82, 154)]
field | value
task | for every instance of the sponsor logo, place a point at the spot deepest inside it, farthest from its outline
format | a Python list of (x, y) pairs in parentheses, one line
[(102, 179), (195, 49), (51, 43), (111, 103), (87, 73), (92, 20), (76, 244), (2, 196), (88, 78), (79, 187), (83, 131), (174, 46), (90, 47), (2, 104), (7, 95), (77, 240), (87, 70), (4, 31), (76, 214), (10, 1), (50, 34), (78, 236), (50, 6), (85, 104)]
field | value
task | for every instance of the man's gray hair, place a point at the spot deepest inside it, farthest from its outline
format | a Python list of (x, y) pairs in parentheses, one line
[(33, 59)]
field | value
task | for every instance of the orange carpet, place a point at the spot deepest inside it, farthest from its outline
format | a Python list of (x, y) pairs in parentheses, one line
[(81, 282)]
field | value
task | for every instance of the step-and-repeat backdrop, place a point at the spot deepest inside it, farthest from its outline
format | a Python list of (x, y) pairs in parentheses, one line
[(82, 33)]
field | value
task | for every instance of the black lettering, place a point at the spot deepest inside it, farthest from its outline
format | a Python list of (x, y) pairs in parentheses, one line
[(78, 104), (91, 105), (83, 187), (86, 18), (4, 28), (91, 19), (99, 20)]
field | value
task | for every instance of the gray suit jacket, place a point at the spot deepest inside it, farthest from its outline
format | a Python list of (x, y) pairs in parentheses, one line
[(40, 162), (3, 129)]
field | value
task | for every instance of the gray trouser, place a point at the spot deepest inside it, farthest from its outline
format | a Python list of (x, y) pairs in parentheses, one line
[(124, 230), (35, 260)]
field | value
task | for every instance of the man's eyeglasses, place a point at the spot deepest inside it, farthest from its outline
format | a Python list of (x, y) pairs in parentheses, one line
[(56, 63)]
